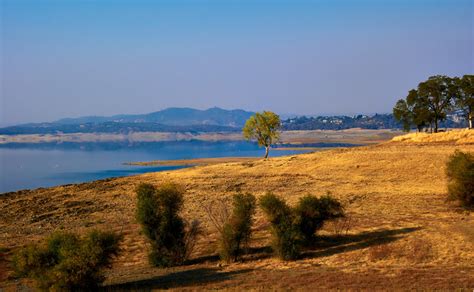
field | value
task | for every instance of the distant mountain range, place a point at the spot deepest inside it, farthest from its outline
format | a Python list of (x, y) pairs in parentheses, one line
[(210, 120), (173, 117), (167, 120)]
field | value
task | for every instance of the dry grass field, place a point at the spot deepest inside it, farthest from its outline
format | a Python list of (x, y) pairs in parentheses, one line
[(402, 233)]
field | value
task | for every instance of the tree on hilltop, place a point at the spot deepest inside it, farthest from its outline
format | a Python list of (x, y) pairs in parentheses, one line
[(429, 104), (464, 98), (264, 128), (412, 112), (437, 94)]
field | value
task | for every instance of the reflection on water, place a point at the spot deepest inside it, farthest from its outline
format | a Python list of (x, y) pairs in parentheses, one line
[(25, 166)]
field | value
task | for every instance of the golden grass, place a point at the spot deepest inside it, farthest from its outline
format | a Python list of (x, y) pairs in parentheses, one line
[(403, 234), (458, 137)]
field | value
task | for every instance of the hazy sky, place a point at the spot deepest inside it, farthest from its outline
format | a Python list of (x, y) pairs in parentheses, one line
[(70, 58)]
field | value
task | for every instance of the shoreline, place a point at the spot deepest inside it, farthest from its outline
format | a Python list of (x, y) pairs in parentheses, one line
[(349, 136), (228, 159), (193, 161)]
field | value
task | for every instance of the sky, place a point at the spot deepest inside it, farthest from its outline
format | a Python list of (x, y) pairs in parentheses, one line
[(70, 58)]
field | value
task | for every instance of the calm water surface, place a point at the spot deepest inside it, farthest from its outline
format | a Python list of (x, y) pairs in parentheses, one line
[(44, 165)]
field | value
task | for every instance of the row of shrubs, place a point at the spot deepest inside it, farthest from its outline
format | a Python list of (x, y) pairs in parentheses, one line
[(66, 261), (171, 237)]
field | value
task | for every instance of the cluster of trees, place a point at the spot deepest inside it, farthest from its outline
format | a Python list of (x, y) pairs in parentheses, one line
[(433, 100)]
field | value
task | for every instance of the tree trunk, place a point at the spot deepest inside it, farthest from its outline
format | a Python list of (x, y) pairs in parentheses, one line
[(436, 126), (267, 148), (470, 118)]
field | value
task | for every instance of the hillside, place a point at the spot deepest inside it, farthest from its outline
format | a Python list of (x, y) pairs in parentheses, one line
[(174, 117), (403, 234), (451, 137), (167, 120)]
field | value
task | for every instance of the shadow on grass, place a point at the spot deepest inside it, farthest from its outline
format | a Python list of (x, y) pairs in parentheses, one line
[(188, 278), (323, 246)]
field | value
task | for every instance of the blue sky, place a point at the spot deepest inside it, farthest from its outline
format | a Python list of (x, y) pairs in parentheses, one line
[(69, 58)]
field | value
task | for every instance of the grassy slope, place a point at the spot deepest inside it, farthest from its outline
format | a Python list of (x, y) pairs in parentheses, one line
[(403, 234)]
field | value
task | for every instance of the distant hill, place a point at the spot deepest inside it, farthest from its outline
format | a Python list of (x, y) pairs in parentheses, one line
[(173, 117), (210, 120), (168, 120)]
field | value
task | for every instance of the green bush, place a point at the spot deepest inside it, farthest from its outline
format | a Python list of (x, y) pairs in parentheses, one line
[(460, 172), (286, 237), (66, 261), (236, 232), (311, 212), (158, 213), (293, 228)]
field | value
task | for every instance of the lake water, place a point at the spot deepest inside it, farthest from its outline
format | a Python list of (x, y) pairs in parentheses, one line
[(44, 165)]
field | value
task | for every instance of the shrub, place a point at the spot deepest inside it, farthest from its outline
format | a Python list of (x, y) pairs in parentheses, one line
[(460, 172), (293, 228), (66, 261), (236, 232), (311, 213), (157, 212), (286, 237)]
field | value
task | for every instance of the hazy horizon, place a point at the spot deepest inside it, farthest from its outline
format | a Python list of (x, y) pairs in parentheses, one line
[(66, 59), (283, 115)]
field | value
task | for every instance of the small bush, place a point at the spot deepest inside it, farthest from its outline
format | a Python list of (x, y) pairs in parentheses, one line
[(157, 212), (286, 237), (294, 228), (66, 261), (236, 232), (312, 212), (460, 172)]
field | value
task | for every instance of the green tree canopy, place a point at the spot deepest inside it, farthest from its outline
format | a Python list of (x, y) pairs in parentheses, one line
[(433, 100), (464, 99), (412, 112), (264, 128), (437, 94)]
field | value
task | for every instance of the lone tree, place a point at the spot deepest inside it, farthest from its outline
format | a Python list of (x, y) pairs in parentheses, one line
[(464, 99), (264, 128)]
